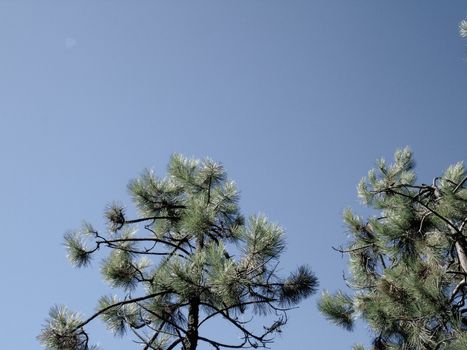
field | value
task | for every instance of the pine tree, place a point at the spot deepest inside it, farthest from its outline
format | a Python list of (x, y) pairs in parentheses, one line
[(408, 263), (463, 28), (191, 258)]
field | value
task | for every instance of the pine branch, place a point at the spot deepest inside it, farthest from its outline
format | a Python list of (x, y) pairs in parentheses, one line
[(121, 303), (234, 306), (434, 212), (146, 239), (460, 185), (353, 249), (219, 345), (236, 324)]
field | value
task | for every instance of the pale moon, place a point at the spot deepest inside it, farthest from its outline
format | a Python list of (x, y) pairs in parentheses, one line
[(70, 42)]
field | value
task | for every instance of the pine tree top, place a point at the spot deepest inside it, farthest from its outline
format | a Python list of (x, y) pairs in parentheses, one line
[(191, 257), (408, 263)]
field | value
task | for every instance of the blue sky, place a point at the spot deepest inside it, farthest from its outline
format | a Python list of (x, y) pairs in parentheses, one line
[(296, 98)]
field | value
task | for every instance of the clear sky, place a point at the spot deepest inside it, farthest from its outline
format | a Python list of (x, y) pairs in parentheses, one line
[(296, 98)]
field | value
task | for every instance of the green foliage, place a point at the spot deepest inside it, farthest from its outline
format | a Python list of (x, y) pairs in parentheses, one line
[(459, 344), (358, 347), (116, 318), (264, 240), (297, 286), (175, 256), (408, 262), (63, 332), (337, 308), (119, 270), (78, 253), (463, 28)]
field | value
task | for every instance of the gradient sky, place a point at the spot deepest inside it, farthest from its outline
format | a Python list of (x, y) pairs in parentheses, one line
[(296, 98)]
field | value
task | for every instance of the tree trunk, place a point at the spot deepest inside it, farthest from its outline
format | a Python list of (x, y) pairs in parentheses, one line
[(191, 340)]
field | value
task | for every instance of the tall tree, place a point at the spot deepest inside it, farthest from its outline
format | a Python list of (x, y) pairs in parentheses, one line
[(408, 263), (179, 266)]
